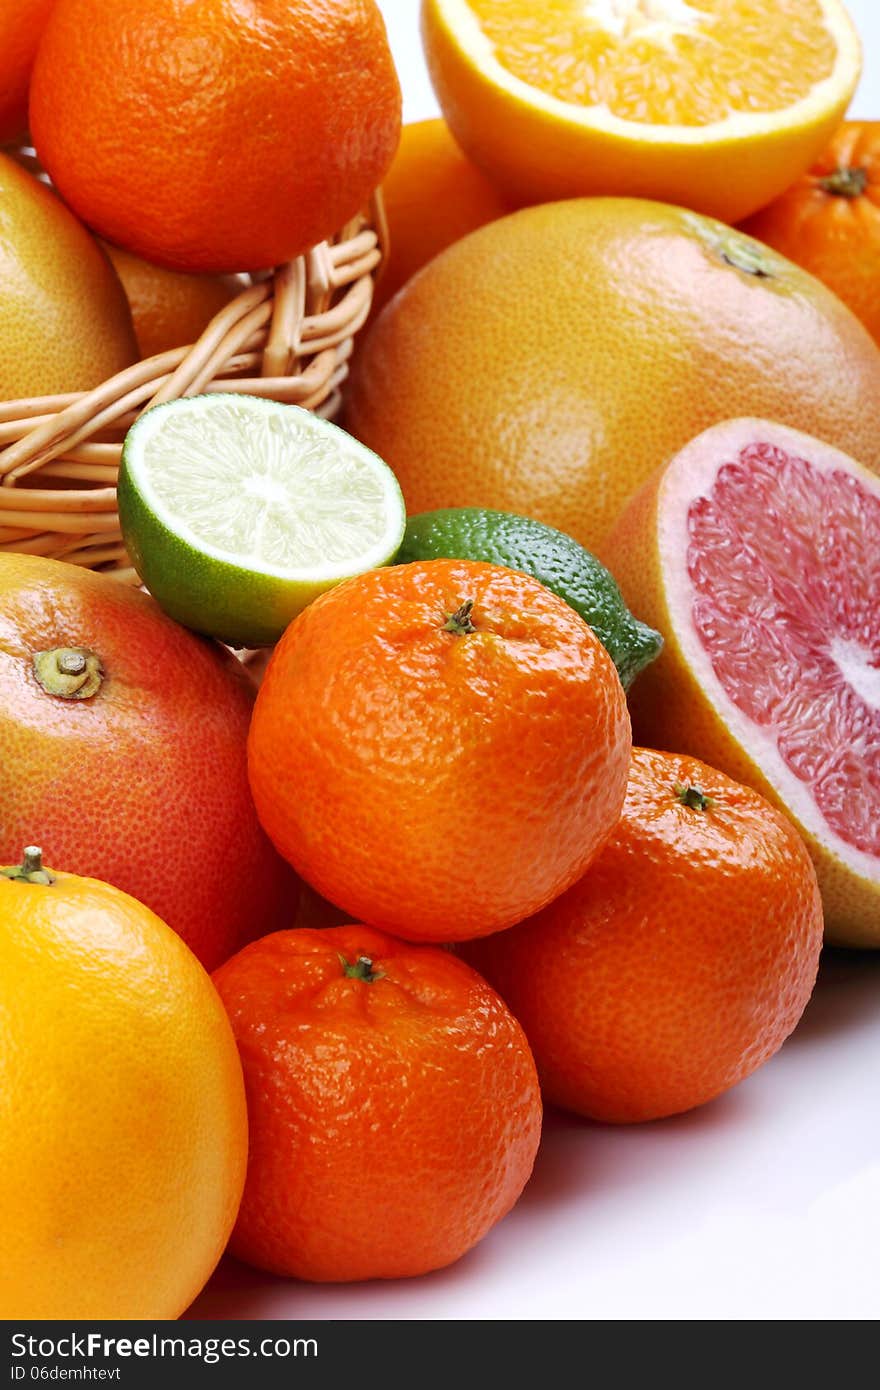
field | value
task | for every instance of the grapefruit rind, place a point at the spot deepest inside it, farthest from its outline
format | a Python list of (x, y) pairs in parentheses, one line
[(706, 718)]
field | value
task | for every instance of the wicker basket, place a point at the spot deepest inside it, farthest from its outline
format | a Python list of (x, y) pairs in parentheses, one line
[(288, 336)]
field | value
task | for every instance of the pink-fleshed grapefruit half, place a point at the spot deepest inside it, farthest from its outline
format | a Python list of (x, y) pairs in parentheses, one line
[(756, 552)]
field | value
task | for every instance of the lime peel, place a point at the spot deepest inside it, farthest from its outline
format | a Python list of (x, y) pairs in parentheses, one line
[(238, 511)]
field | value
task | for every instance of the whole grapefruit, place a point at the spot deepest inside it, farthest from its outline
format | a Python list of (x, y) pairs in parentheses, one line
[(439, 747), (124, 1138), (65, 323), (550, 361), (124, 743)]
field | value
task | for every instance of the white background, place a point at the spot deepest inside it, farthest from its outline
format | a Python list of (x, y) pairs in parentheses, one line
[(764, 1204)]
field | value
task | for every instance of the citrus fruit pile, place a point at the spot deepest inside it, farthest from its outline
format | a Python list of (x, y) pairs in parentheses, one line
[(518, 742)]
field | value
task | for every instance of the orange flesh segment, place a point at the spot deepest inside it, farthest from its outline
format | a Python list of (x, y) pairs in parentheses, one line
[(663, 62)]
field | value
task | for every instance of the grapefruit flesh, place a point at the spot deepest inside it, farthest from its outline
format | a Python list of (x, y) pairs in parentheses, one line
[(758, 550)]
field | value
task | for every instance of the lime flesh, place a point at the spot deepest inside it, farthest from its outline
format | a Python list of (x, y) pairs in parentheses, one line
[(558, 561), (238, 511)]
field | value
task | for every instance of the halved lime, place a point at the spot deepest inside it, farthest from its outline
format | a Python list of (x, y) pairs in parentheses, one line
[(238, 511)]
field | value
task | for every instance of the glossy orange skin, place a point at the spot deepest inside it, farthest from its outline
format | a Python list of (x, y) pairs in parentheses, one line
[(834, 236), (679, 963), (438, 785), (215, 136), (21, 26), (393, 1122), (144, 785), (433, 196), (123, 1146)]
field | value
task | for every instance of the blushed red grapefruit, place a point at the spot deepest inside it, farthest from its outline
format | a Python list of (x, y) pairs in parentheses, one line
[(756, 552)]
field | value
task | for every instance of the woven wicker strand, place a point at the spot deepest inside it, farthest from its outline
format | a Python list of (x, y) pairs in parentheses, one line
[(288, 336)]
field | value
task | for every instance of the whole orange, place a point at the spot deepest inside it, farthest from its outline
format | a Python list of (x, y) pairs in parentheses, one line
[(124, 742), (829, 220), (169, 309), (433, 196), (123, 1145), (393, 1104), (65, 323), (211, 135), (682, 959), (21, 25), (548, 362), (439, 748)]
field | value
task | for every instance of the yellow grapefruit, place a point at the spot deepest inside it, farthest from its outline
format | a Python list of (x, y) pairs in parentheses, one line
[(716, 104), (65, 324), (123, 1142), (756, 552), (547, 363)]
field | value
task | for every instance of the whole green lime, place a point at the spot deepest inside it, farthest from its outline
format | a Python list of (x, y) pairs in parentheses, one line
[(504, 538)]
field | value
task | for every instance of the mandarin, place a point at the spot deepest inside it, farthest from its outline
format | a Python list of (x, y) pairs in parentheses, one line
[(682, 959), (393, 1103), (21, 27), (439, 748), (828, 221), (215, 136)]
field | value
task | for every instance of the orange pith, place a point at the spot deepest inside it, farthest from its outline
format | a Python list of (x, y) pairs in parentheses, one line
[(641, 64), (681, 960)]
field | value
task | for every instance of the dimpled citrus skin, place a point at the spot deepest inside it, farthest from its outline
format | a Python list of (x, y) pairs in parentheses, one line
[(679, 963), (21, 25), (218, 135), (65, 324), (144, 784), (550, 361), (393, 1121), (834, 234), (435, 784), (123, 1129)]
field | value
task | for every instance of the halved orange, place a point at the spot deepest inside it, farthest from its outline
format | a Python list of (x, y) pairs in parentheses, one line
[(714, 104)]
